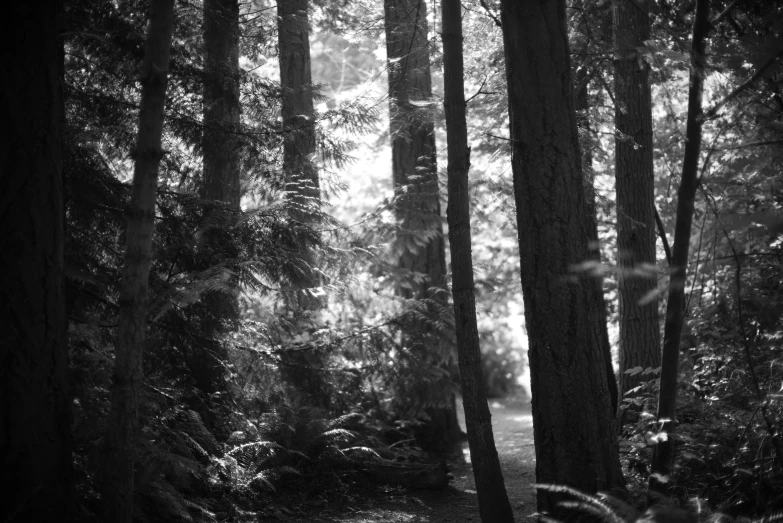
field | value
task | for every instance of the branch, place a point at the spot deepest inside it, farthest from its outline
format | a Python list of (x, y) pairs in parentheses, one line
[(664, 240), (491, 14), (752, 144), (742, 87), (483, 83), (718, 19)]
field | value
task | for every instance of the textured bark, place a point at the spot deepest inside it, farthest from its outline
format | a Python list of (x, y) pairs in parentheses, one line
[(117, 480), (298, 117), (494, 505), (35, 439), (635, 186), (582, 105), (222, 157), (417, 195), (572, 415), (300, 368), (663, 454)]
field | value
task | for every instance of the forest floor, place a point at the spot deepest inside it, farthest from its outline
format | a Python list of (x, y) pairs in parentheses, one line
[(512, 424)]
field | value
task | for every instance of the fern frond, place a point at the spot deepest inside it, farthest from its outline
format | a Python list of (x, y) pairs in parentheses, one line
[(770, 518), (362, 450), (195, 449), (587, 502), (255, 453), (352, 418), (191, 423), (263, 480), (335, 436), (621, 509)]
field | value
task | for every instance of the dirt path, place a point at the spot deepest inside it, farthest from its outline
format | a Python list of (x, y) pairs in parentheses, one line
[(512, 424)]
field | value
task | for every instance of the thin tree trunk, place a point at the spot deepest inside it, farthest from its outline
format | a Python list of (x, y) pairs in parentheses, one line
[(415, 178), (635, 186), (663, 454), (35, 436), (221, 171), (572, 413), (122, 426), (494, 505)]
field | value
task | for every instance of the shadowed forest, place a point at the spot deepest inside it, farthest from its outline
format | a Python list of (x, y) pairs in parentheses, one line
[(394, 261)]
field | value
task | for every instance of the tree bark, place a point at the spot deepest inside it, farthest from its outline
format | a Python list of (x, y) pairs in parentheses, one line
[(300, 368), (35, 437), (417, 195), (494, 505), (303, 184), (222, 158), (582, 106), (663, 454), (118, 468), (572, 414), (635, 188)]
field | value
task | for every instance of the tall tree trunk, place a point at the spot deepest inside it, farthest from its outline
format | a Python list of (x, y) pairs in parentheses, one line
[(35, 436), (639, 327), (494, 505), (415, 178), (300, 368), (582, 106), (122, 426), (663, 454), (572, 414), (298, 120), (221, 170)]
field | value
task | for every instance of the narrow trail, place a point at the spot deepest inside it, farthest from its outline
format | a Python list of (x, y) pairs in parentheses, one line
[(512, 424)]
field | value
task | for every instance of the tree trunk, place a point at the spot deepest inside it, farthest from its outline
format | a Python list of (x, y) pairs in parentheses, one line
[(299, 122), (221, 172), (494, 505), (582, 106), (300, 368), (122, 425), (635, 187), (663, 454), (572, 414), (419, 244), (35, 436)]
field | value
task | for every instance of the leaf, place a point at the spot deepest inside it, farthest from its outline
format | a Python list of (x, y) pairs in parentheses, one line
[(654, 439), (661, 478), (651, 296)]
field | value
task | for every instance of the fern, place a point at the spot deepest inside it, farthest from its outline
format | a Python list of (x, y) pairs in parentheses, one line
[(258, 453), (597, 505), (192, 425), (612, 510)]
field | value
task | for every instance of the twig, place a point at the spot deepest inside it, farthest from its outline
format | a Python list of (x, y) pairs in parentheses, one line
[(491, 14), (483, 83), (718, 19), (664, 240), (752, 144)]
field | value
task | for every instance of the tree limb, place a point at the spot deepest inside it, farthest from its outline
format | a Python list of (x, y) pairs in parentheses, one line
[(490, 13)]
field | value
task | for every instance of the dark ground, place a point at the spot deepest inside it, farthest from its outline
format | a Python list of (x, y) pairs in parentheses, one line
[(513, 428)]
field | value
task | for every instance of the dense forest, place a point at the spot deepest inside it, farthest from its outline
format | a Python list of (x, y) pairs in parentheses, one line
[(354, 260)]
